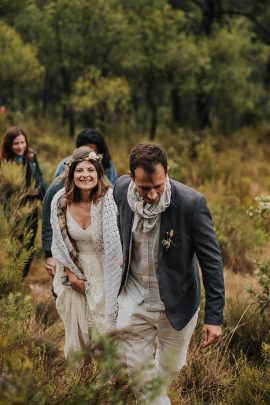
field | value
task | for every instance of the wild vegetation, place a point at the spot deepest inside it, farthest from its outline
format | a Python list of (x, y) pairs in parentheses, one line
[(236, 371), (191, 75)]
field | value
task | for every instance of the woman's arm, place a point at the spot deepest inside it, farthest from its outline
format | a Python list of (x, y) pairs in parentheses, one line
[(76, 284)]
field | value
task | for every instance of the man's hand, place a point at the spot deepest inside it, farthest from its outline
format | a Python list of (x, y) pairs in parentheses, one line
[(50, 266), (210, 334), (77, 284)]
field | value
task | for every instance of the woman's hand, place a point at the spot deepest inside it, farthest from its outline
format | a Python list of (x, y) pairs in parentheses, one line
[(50, 266), (77, 284)]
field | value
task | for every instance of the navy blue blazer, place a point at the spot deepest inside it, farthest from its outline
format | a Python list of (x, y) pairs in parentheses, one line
[(179, 282)]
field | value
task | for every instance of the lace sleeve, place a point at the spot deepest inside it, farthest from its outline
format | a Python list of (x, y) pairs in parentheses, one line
[(59, 249), (113, 256)]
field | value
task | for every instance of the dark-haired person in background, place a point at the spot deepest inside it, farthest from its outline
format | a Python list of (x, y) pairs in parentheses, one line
[(164, 225), (93, 138), (15, 148), (46, 233)]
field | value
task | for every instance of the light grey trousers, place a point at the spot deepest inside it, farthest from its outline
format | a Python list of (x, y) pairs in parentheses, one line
[(153, 349)]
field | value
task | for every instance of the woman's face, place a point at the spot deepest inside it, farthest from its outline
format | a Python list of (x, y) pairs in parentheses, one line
[(85, 176), (19, 145)]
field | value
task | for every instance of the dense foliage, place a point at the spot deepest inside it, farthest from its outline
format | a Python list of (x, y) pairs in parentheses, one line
[(191, 63)]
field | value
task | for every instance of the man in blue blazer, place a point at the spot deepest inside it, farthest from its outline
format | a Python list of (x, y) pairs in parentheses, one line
[(164, 226)]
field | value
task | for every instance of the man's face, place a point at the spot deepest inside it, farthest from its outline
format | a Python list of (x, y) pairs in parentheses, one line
[(150, 186)]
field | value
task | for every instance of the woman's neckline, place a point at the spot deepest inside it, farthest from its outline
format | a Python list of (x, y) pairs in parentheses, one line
[(74, 220)]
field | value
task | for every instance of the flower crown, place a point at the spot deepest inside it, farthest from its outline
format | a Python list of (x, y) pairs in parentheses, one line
[(87, 156)]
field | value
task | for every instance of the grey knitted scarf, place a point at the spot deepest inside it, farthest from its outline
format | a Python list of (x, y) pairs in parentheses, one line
[(145, 214)]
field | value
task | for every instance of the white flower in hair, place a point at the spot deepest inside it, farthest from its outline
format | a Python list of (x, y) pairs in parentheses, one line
[(94, 156), (87, 156)]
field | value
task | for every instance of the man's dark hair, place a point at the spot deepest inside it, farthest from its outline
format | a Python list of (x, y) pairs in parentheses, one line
[(147, 156), (92, 136)]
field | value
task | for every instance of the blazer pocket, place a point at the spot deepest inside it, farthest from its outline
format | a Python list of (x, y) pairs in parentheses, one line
[(185, 286)]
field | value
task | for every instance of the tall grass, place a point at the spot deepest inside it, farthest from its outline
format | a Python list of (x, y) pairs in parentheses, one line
[(231, 173)]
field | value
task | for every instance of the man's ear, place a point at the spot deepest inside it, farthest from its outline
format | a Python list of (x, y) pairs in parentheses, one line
[(168, 170), (130, 175)]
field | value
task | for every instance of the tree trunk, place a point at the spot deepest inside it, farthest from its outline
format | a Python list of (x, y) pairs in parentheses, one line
[(67, 86), (88, 119), (153, 121), (176, 106), (67, 93), (150, 99), (71, 122), (45, 95), (202, 110), (211, 14)]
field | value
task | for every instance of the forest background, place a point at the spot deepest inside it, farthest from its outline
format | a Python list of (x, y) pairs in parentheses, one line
[(193, 75)]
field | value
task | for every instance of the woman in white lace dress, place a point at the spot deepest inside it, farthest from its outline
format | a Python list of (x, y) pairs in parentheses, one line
[(87, 249)]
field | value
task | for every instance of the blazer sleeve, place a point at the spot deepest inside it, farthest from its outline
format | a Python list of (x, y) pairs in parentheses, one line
[(115, 195), (46, 230), (210, 260)]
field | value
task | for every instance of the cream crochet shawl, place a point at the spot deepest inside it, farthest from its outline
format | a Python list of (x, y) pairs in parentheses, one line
[(108, 245)]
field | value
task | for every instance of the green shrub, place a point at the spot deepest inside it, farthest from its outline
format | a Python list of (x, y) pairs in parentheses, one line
[(14, 214), (34, 374), (252, 386), (239, 238)]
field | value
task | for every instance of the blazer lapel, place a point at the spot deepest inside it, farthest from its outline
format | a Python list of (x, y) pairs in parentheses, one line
[(128, 222), (167, 222)]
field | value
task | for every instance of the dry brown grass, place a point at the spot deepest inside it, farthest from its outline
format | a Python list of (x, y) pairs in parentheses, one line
[(196, 375), (39, 281), (236, 286), (207, 374)]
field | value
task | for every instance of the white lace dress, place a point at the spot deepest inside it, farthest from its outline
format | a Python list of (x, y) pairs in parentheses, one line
[(81, 311), (100, 253)]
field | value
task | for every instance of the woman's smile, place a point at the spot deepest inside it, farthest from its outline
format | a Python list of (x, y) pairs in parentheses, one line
[(85, 176)]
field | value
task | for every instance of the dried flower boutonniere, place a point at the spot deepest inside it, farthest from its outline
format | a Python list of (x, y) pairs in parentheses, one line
[(166, 243)]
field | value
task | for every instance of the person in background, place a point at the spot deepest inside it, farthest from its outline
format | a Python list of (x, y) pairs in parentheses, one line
[(15, 148), (87, 249), (94, 139), (164, 225), (46, 232)]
